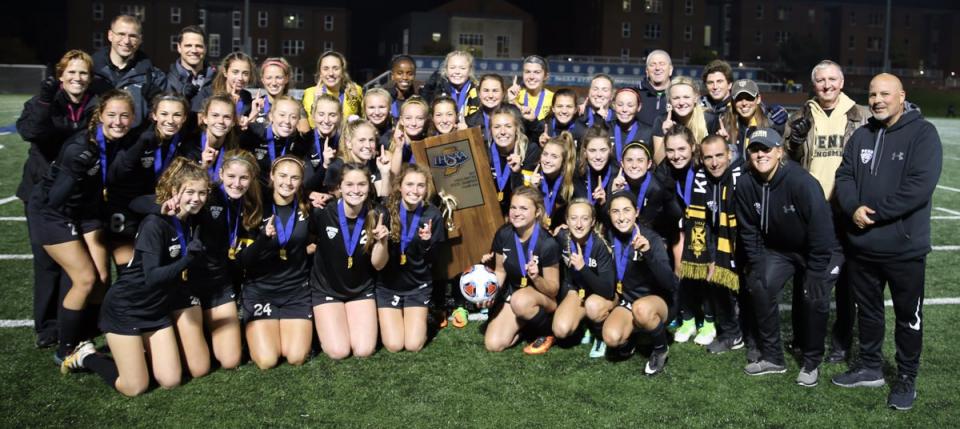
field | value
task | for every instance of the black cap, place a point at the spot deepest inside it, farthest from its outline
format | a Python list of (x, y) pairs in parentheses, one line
[(767, 137)]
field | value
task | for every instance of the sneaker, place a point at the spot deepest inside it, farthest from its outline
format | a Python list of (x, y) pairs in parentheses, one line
[(903, 393), (706, 334), (763, 367), (587, 337), (672, 327), (539, 346), (74, 361), (837, 356), (460, 317), (723, 345), (658, 359), (685, 331), (599, 348), (808, 378), (753, 354), (859, 377)]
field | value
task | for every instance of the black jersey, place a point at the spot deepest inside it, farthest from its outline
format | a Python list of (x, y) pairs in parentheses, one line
[(313, 170), (554, 127), (221, 227), (74, 184), (481, 119), (597, 276), (583, 185), (144, 285), (656, 203), (623, 134), (331, 176), (135, 169), (266, 147), (272, 269), (413, 270), (334, 272), (504, 243), (596, 118), (506, 180), (553, 201), (643, 273)]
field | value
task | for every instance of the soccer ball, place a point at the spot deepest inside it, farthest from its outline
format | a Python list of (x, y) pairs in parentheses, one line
[(478, 284)]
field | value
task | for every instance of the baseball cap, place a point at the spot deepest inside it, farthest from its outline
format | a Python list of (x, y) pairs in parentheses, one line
[(767, 137), (745, 86)]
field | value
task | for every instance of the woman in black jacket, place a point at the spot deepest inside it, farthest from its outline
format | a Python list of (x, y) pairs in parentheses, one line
[(786, 228)]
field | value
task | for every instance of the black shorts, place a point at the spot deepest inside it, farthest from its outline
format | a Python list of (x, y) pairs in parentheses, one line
[(181, 297), (49, 227), (319, 297), (629, 297), (295, 306), (215, 295), (113, 321), (419, 297), (121, 223)]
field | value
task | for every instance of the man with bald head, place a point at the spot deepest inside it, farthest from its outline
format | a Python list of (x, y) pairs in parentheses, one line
[(653, 88), (884, 187)]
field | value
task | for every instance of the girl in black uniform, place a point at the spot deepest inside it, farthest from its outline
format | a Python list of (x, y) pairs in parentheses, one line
[(406, 284), (323, 142), (402, 85), (360, 147), (135, 169), (136, 309), (276, 295), (492, 93), (528, 272), (511, 154), (596, 168), (627, 128), (596, 109), (455, 78), (444, 118), (563, 117), (412, 126), (217, 132), (65, 105), (276, 138), (655, 203), (588, 275), (234, 75), (645, 282), (65, 216), (275, 75), (555, 179), (352, 234), (684, 108), (377, 106)]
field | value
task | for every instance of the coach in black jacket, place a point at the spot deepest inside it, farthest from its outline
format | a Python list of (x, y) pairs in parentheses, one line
[(884, 185), (786, 228)]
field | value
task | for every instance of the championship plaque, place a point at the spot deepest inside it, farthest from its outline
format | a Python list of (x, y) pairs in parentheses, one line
[(460, 170)]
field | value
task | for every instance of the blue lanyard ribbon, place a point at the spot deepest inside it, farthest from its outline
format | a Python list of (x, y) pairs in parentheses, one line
[(604, 182), (323, 90), (531, 246), (212, 171), (395, 109), (550, 193), (233, 221), (641, 196), (284, 228), (271, 142), (556, 133), (102, 145), (407, 232), (587, 251), (183, 235), (526, 99), (161, 162), (618, 138), (350, 239), (460, 96), (687, 187), (503, 175), (621, 252), (266, 105)]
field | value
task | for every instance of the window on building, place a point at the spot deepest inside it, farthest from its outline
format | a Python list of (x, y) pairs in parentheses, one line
[(298, 75), (874, 19), (653, 6), (783, 13), (471, 39), (906, 43), (174, 41), (261, 46), (98, 11), (293, 20), (688, 33), (812, 15), (759, 13), (625, 54), (688, 7), (783, 36), (627, 5), (758, 37), (328, 23), (652, 32), (291, 48), (236, 45), (174, 15), (874, 43), (327, 46), (202, 17), (853, 18), (503, 46), (263, 18), (625, 30), (97, 40), (237, 19), (136, 10), (906, 20), (852, 42), (214, 49)]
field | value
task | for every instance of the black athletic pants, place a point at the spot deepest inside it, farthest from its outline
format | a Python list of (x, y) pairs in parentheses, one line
[(47, 291), (906, 280), (765, 285)]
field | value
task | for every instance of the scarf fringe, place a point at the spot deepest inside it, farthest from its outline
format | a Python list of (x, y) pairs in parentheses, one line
[(726, 277), (693, 270)]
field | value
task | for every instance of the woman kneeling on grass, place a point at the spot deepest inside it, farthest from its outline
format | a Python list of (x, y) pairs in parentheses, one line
[(136, 314), (645, 282)]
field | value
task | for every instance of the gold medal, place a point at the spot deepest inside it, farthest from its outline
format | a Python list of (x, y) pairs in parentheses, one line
[(582, 293), (620, 288), (499, 196), (349, 261), (403, 259), (104, 194), (523, 282), (232, 253), (548, 221), (283, 254), (183, 275)]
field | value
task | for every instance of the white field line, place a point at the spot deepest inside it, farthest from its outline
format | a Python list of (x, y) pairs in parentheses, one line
[(13, 219), (7, 199), (947, 211), (948, 248), (947, 188), (15, 257)]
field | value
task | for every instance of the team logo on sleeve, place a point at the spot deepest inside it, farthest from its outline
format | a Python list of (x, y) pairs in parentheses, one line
[(866, 155), (331, 232), (215, 211), (260, 153), (174, 250), (146, 161)]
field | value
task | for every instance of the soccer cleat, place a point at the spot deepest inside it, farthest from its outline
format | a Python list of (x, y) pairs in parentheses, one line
[(903, 393), (599, 348), (460, 316), (859, 377), (764, 367), (685, 331), (723, 345), (658, 359), (808, 378), (539, 346), (706, 334), (74, 361), (587, 337)]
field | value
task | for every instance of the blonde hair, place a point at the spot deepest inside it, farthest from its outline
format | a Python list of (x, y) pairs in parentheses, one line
[(349, 131), (412, 101), (346, 84), (520, 140), (471, 73), (395, 200), (180, 171), (695, 121)]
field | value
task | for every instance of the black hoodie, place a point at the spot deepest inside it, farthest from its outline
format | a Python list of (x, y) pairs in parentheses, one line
[(893, 171), (788, 215), (653, 103)]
